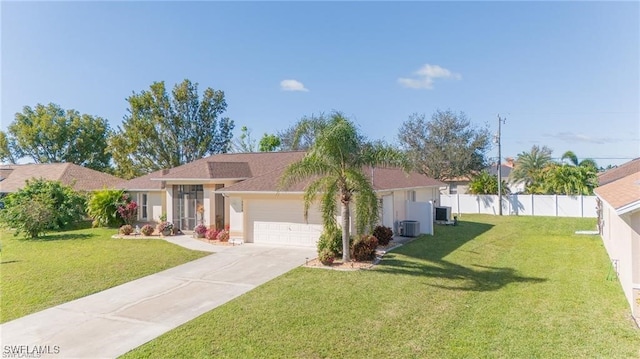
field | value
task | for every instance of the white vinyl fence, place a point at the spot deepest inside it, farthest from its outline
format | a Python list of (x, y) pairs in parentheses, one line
[(522, 205)]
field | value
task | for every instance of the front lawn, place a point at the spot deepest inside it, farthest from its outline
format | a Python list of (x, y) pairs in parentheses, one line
[(38, 274), (492, 287)]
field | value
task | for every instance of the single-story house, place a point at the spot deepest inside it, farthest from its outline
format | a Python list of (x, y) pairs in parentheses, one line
[(14, 177), (460, 185), (240, 191), (619, 226)]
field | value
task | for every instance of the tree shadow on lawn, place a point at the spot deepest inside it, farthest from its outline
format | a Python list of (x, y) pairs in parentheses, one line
[(426, 260), (59, 237), (476, 278)]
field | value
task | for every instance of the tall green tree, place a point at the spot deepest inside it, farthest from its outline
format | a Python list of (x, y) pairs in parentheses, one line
[(302, 135), (269, 143), (486, 183), (244, 143), (445, 147), (49, 134), (333, 165), (164, 131), (573, 160), (529, 167), (6, 155)]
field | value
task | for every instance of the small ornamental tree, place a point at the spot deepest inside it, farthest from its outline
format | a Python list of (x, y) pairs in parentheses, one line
[(41, 206), (127, 209)]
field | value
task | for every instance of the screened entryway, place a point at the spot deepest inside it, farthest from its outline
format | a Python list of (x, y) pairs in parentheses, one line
[(186, 199)]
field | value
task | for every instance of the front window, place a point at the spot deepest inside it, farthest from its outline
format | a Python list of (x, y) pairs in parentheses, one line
[(144, 206)]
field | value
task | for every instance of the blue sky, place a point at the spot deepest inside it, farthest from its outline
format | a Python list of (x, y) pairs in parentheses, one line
[(564, 74)]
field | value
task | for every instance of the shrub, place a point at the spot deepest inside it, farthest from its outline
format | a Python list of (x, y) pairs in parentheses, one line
[(212, 234), (326, 257), (41, 206), (147, 230), (126, 229), (102, 207), (383, 234), (32, 217), (223, 236), (330, 239), (363, 247)]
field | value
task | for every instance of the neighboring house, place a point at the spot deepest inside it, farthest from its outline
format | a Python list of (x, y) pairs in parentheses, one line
[(623, 170), (14, 177), (460, 185), (241, 191), (619, 226)]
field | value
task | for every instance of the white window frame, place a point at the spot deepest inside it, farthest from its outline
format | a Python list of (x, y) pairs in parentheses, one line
[(143, 200)]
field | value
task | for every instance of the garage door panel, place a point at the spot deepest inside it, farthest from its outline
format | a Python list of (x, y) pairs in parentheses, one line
[(282, 222)]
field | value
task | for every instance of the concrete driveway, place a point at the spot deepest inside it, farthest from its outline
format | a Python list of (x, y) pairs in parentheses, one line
[(112, 322)]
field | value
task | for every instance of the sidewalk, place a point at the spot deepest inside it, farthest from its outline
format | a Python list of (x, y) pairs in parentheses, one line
[(112, 322)]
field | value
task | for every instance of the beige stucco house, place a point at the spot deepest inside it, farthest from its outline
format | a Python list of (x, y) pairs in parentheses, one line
[(240, 191), (619, 225)]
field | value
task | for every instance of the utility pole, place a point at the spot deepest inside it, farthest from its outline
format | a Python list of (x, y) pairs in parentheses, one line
[(500, 122)]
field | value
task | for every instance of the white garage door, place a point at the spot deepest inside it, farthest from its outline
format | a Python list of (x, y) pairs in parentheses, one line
[(282, 222)]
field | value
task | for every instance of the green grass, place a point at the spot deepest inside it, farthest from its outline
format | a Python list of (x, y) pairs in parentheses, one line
[(38, 274), (492, 287)]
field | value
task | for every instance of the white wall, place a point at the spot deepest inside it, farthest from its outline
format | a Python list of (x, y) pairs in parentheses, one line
[(154, 205), (523, 205), (621, 238)]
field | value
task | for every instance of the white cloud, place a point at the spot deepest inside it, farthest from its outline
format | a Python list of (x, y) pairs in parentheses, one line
[(578, 137), (423, 78), (292, 85)]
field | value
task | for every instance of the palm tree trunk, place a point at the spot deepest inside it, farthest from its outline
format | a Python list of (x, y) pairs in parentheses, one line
[(346, 257)]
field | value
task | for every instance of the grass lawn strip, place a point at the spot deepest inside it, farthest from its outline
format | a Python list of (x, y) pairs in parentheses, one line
[(492, 287), (60, 267)]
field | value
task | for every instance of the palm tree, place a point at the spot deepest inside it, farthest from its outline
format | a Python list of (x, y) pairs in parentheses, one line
[(573, 160), (529, 166), (334, 166)]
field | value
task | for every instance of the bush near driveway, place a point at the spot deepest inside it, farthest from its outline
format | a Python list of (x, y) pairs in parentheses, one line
[(491, 287)]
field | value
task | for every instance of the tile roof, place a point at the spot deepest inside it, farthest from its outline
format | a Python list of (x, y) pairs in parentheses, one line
[(80, 178), (383, 179), (261, 172), (622, 194), (220, 166), (623, 170)]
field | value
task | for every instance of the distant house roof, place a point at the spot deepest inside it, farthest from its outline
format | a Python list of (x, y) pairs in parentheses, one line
[(623, 170), (505, 170), (623, 194), (261, 172), (80, 178)]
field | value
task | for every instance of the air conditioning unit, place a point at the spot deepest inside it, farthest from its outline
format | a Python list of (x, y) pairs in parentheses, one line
[(411, 228), (443, 214)]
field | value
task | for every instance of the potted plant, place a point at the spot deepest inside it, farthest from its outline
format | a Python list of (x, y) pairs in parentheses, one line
[(165, 228), (200, 231)]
